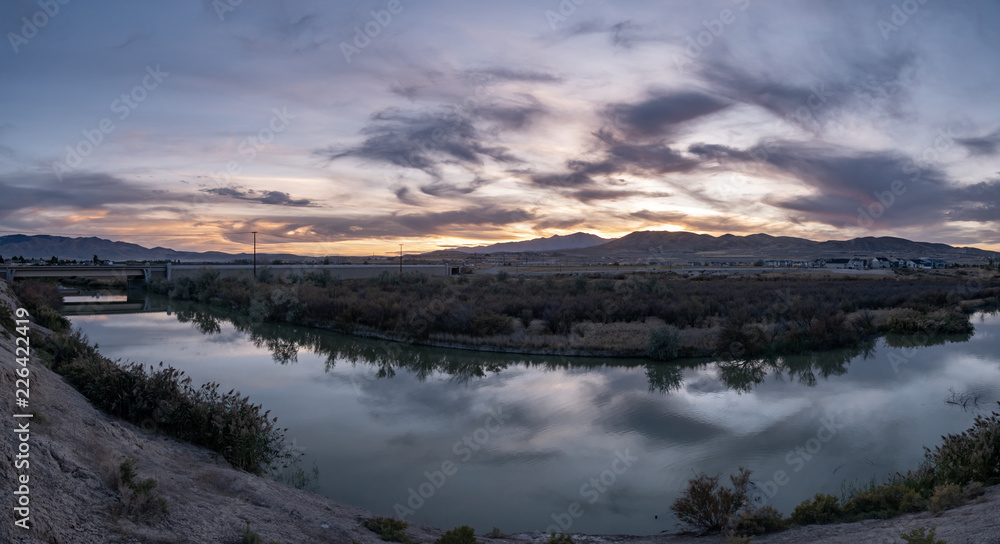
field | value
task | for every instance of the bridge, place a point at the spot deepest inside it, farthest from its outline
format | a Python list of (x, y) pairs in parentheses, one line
[(172, 271), (146, 272)]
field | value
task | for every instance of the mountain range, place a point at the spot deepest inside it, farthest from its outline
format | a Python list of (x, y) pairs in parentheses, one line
[(765, 246), (647, 245), (577, 240), (84, 249)]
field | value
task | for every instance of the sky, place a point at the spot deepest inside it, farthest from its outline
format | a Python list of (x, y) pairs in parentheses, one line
[(351, 127)]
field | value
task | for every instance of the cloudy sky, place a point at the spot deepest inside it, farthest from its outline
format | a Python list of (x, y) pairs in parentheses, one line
[(350, 127)]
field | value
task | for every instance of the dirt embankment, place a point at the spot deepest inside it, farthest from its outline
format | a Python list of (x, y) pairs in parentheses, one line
[(76, 494)]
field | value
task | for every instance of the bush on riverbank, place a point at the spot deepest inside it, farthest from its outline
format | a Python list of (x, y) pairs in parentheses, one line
[(164, 400), (953, 473), (44, 301), (161, 399), (743, 316)]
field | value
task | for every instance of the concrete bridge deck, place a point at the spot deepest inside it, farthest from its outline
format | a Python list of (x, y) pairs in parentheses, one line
[(172, 271)]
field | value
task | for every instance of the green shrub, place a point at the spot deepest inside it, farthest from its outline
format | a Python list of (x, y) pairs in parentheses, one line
[(821, 509), (458, 535), (664, 343), (164, 399), (921, 536), (759, 521), (946, 497), (139, 501), (973, 455), (388, 529), (708, 506), (559, 539), (883, 501)]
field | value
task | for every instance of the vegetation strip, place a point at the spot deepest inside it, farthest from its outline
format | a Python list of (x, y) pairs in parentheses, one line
[(161, 398), (656, 315)]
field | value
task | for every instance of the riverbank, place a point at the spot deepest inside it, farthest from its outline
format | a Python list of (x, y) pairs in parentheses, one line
[(662, 316), (78, 496)]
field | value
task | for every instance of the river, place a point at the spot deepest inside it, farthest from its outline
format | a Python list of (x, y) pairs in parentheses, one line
[(525, 443)]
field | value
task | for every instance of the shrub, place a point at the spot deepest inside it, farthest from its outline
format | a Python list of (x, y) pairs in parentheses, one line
[(388, 529), (139, 501), (559, 539), (707, 505), (164, 399), (759, 521), (883, 501), (821, 509), (458, 535), (664, 343), (973, 455), (946, 497), (921, 536)]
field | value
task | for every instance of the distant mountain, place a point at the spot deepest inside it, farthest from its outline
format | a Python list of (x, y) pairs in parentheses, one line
[(44, 247), (578, 240), (764, 246)]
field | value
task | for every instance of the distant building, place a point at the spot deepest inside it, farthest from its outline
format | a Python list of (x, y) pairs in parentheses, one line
[(836, 263)]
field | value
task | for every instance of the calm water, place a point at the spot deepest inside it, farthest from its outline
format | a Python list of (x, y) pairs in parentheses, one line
[(514, 441)]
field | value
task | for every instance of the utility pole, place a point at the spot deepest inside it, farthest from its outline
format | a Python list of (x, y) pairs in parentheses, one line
[(255, 255), (401, 260)]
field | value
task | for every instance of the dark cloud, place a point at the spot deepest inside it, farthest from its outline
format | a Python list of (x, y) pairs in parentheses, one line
[(661, 113), (588, 195), (558, 223), (719, 153), (271, 198), (572, 179), (444, 190), (882, 189), (439, 222), (983, 145), (424, 141), (509, 74), (977, 202), (513, 115), (870, 83), (76, 190), (479, 220)]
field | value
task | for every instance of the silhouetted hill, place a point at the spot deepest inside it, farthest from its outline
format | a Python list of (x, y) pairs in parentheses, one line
[(653, 243), (44, 247), (576, 240)]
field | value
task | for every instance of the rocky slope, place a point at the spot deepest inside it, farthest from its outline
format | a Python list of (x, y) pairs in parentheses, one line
[(77, 496)]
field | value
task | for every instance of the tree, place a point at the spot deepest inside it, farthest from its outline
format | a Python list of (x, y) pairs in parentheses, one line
[(96, 260), (1, 259), (54, 260)]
